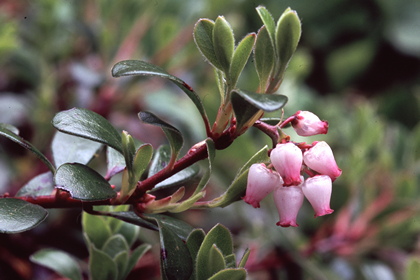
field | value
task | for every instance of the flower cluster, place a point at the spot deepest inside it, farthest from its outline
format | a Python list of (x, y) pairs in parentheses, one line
[(290, 161)]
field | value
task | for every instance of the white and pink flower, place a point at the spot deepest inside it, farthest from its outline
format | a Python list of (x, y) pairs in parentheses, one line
[(261, 182), (320, 158), (287, 160), (307, 124), (318, 190), (288, 202)]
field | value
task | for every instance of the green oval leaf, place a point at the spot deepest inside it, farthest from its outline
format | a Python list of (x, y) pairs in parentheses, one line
[(264, 58), (8, 131), (142, 68), (42, 184), (17, 215), (83, 183), (268, 22), (59, 261), (203, 37), (223, 43), (174, 135), (115, 245), (220, 237), (67, 148), (101, 266), (89, 125), (176, 261), (288, 31), (96, 229), (231, 274), (240, 57)]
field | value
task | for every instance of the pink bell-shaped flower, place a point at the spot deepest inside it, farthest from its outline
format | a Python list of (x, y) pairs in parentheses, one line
[(261, 182), (288, 201), (318, 190), (321, 159), (307, 124), (287, 160)]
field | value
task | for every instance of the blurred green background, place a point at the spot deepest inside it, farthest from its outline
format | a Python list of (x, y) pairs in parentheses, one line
[(357, 66)]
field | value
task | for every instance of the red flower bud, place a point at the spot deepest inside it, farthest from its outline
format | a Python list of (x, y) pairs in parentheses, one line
[(307, 124)]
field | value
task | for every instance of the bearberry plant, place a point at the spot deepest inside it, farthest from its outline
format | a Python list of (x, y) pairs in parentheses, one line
[(152, 179)]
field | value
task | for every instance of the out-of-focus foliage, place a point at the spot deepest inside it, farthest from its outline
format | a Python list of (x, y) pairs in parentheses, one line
[(357, 66)]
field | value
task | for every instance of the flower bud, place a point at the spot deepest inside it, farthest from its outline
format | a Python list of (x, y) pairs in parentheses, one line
[(318, 190), (307, 124), (288, 201), (321, 159), (261, 182), (287, 160)]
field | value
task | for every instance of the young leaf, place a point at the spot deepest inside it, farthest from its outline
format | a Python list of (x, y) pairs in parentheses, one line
[(244, 258), (222, 239), (174, 135), (96, 230), (205, 178), (115, 245), (230, 261), (288, 31), (237, 189), (203, 37), (134, 258), (115, 162), (83, 183), (142, 68), (60, 262), (128, 149), (223, 43), (8, 131), (264, 57), (230, 273), (67, 148), (268, 22), (17, 215), (215, 263), (176, 262), (89, 125), (240, 57), (42, 184), (101, 266), (194, 241)]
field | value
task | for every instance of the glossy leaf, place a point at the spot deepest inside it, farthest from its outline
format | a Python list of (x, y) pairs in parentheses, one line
[(42, 184), (60, 262), (8, 131), (246, 104), (67, 148), (89, 125), (174, 135), (203, 37), (9, 127), (268, 22), (176, 262), (240, 57), (264, 57), (83, 183), (115, 162), (238, 187), (222, 239), (288, 31), (17, 215), (101, 266), (231, 274), (133, 218), (223, 43), (142, 68), (96, 229)]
